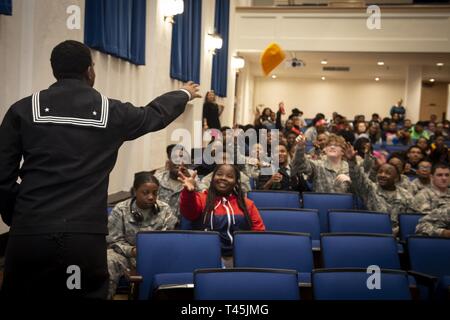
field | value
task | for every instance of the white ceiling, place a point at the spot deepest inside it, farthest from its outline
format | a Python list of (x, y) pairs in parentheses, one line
[(362, 65)]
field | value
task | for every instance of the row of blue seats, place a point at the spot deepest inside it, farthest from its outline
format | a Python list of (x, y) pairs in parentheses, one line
[(278, 284), (287, 203), (170, 258)]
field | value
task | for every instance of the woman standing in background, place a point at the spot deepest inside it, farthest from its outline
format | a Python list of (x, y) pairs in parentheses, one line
[(211, 112)]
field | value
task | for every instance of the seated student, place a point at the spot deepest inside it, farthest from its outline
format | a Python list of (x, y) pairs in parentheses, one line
[(422, 143), (374, 133), (363, 148), (436, 223), (290, 138), (169, 186), (281, 178), (439, 151), (360, 130), (289, 124), (438, 194), (423, 179), (224, 157), (383, 196), (413, 156), (390, 135), (418, 131), (329, 175), (404, 137), (256, 161), (319, 126), (143, 212), (317, 152), (223, 207), (396, 160)]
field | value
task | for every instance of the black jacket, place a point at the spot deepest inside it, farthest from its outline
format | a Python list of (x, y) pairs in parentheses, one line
[(69, 136)]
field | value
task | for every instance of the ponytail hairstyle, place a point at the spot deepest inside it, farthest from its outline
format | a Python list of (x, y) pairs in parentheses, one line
[(140, 178)]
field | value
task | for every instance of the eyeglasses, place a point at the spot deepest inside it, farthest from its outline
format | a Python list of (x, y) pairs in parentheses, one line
[(424, 168)]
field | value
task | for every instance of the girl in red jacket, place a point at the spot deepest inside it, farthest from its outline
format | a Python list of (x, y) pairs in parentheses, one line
[(223, 207)]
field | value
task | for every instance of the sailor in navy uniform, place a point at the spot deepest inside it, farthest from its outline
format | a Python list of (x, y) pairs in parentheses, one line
[(68, 136)]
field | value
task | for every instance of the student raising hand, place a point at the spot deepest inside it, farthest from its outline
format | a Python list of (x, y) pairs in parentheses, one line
[(349, 152), (188, 181)]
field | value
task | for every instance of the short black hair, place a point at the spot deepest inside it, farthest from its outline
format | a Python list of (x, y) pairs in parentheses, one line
[(399, 156), (70, 59), (144, 177), (347, 135), (439, 165)]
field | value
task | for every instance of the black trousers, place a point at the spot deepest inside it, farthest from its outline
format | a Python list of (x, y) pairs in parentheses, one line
[(57, 266)]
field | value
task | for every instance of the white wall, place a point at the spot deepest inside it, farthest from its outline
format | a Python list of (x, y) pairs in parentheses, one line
[(36, 26), (344, 29), (348, 97)]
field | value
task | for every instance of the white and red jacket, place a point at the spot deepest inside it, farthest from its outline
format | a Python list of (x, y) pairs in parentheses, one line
[(226, 217)]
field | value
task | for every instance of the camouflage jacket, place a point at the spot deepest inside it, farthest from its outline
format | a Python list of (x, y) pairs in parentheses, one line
[(435, 222), (377, 199), (429, 199), (321, 172), (419, 186), (251, 169), (123, 227), (369, 168), (169, 190), (407, 184)]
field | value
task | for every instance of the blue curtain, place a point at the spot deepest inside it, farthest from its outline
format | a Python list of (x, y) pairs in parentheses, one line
[(6, 7), (220, 60), (117, 27), (186, 39)]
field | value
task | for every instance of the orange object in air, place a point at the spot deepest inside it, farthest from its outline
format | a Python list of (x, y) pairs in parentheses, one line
[(271, 57)]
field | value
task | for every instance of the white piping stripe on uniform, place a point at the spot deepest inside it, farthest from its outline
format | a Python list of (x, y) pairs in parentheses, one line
[(228, 218), (64, 120)]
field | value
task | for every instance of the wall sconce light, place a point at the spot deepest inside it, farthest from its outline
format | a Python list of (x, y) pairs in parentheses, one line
[(170, 8), (237, 62), (214, 42)]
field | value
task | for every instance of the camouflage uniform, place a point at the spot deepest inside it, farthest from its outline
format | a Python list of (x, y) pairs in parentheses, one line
[(245, 182), (377, 199), (419, 186), (169, 190), (321, 172), (122, 236), (429, 199), (435, 222), (407, 184), (251, 169)]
